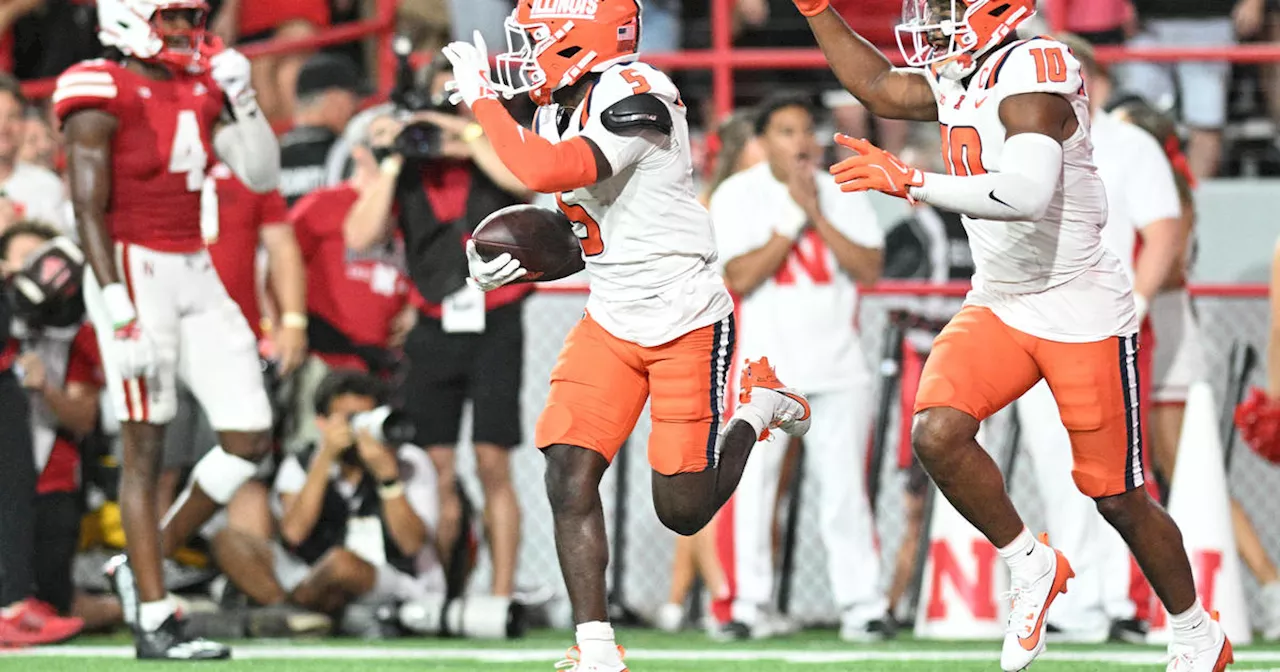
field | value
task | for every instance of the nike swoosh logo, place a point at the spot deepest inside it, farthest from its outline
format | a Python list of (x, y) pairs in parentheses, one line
[(997, 199), (1058, 587), (978, 103)]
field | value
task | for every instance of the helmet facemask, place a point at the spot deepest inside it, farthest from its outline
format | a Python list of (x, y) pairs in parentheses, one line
[(942, 33), (183, 47), (168, 32)]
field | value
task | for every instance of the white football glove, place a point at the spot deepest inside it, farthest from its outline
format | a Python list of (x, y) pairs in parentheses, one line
[(470, 72), (131, 351), (231, 70), (490, 275)]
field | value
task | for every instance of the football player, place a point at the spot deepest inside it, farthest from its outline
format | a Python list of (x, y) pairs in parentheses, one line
[(611, 141), (1049, 301), (142, 127)]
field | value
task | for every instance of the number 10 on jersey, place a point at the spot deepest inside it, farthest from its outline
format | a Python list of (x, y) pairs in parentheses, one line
[(593, 244)]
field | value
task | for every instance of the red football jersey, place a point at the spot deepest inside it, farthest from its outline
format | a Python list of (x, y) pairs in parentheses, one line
[(357, 293), (241, 216), (162, 148)]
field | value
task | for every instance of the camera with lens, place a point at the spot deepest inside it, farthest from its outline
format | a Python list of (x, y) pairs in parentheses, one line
[(386, 425), (420, 140), (47, 292)]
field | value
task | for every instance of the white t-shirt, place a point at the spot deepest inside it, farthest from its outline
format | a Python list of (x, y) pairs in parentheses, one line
[(803, 318), (651, 252), (1139, 181), (40, 194), (1051, 278), (421, 491)]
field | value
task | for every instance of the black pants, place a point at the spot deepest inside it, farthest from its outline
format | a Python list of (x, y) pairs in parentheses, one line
[(17, 493), (57, 536)]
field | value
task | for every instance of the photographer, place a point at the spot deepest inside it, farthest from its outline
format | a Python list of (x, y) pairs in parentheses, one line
[(356, 514), (60, 369), (438, 180)]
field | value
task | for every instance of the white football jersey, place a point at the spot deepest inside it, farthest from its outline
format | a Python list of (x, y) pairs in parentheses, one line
[(817, 341), (649, 246), (1051, 278), (1139, 181)]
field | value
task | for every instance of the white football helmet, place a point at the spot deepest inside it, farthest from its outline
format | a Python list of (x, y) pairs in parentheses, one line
[(133, 27)]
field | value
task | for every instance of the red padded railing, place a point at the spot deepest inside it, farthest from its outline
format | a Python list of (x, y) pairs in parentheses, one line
[(381, 26)]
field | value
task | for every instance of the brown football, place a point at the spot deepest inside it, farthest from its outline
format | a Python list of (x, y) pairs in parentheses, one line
[(541, 239)]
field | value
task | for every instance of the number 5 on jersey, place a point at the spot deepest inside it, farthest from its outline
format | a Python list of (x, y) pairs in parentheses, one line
[(188, 154), (593, 243)]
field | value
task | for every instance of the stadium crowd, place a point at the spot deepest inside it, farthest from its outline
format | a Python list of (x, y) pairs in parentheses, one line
[(352, 279)]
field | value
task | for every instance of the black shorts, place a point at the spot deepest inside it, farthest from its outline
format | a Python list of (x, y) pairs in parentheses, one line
[(447, 369)]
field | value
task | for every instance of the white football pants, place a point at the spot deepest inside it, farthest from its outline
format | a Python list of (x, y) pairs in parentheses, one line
[(1100, 591), (835, 472)]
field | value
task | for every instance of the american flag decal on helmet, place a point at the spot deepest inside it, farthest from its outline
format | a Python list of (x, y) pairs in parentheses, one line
[(628, 34)]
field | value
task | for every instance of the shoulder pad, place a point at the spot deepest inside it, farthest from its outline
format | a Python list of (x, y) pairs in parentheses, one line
[(637, 113), (1036, 65), (91, 84)]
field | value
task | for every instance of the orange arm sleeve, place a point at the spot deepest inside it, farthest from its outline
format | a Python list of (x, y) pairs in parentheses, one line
[(542, 166)]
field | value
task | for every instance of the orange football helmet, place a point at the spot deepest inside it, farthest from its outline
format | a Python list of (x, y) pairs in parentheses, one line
[(950, 35), (551, 44)]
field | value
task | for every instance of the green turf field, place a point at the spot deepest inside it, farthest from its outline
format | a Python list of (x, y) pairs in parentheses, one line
[(813, 651)]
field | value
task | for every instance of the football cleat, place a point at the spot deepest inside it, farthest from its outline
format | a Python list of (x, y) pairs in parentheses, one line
[(171, 642), (34, 623), (1213, 656), (573, 662), (1024, 635), (120, 577), (790, 409)]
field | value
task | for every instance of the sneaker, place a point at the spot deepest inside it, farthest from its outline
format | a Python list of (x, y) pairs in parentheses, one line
[(1270, 598), (34, 623), (790, 410), (1129, 631), (573, 662), (670, 618), (766, 626), (119, 577), (1024, 636), (875, 630), (1214, 656), (171, 642)]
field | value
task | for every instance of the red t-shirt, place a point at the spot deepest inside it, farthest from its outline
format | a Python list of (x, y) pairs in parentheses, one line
[(84, 366), (241, 216), (260, 16), (359, 294), (448, 186)]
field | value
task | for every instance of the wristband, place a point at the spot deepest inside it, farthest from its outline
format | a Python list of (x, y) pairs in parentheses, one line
[(472, 132), (119, 306), (293, 321), (390, 490)]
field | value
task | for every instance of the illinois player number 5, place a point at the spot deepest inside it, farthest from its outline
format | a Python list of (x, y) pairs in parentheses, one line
[(593, 244), (188, 154)]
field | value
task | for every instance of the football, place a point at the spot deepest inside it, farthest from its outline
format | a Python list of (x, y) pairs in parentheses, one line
[(541, 239)]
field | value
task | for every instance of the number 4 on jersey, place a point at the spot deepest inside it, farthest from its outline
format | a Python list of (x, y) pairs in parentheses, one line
[(188, 154)]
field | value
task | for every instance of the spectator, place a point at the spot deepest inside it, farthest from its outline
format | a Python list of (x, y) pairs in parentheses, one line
[(875, 20), (662, 26), (329, 91), (39, 521), (54, 37), (1201, 86), (34, 192), (10, 12), (466, 345), (39, 143), (354, 299), (356, 516), (793, 243), (738, 150), (241, 22), (1100, 21)]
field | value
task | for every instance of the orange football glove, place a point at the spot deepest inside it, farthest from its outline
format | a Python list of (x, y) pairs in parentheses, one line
[(812, 7), (874, 169)]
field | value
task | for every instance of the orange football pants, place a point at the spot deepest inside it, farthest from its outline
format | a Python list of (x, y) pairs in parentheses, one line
[(979, 365), (600, 384)]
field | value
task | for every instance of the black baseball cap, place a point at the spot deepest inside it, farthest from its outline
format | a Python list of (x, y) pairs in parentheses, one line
[(325, 71)]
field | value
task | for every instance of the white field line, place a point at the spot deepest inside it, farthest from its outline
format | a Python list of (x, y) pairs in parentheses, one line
[(304, 652)]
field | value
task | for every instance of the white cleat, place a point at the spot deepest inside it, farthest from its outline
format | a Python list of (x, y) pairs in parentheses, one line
[(1213, 656), (790, 409), (670, 618), (1024, 634), (573, 662)]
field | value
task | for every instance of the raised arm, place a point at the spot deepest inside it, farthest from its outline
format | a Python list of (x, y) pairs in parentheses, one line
[(865, 72)]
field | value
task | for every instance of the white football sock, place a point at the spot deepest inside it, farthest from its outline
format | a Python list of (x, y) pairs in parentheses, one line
[(1191, 625), (152, 615), (759, 411), (1028, 558), (595, 642)]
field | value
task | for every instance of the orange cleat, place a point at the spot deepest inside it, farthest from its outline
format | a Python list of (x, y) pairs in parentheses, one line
[(789, 410)]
